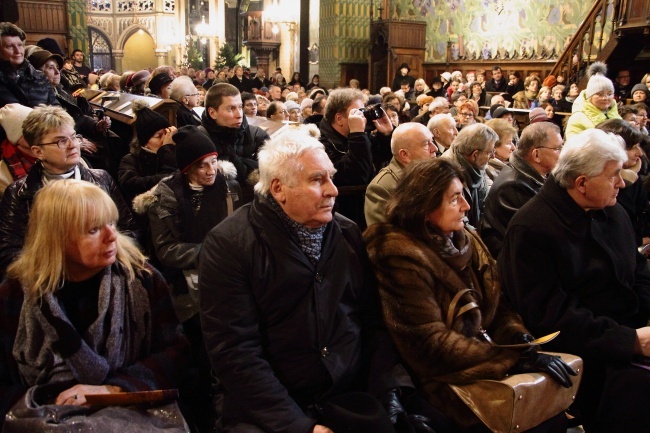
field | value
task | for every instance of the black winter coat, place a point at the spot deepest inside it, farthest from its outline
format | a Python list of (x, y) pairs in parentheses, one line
[(19, 196), (565, 269), (185, 116), (140, 172), (514, 186), (239, 146), (25, 86), (283, 334)]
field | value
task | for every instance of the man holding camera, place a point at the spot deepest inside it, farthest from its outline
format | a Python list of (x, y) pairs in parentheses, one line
[(343, 133)]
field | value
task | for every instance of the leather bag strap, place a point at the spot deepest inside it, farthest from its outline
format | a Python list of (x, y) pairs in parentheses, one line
[(451, 313)]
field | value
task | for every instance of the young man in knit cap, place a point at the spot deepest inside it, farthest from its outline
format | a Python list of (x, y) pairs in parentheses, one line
[(595, 104), (17, 156), (49, 130), (152, 155), (236, 141)]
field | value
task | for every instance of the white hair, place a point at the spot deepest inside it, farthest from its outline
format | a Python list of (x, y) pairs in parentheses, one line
[(278, 158), (474, 137), (438, 102), (182, 86), (436, 120), (586, 154)]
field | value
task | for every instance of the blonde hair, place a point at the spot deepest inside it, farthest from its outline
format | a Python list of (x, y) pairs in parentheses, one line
[(63, 210)]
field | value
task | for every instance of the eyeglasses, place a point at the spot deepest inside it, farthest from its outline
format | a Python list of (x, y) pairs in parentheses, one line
[(62, 143), (623, 76), (193, 94), (554, 149), (284, 112), (467, 114)]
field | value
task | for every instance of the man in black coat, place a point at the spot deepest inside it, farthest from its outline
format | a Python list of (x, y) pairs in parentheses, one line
[(236, 140), (537, 153), (289, 310), (569, 263), (343, 133), (497, 83)]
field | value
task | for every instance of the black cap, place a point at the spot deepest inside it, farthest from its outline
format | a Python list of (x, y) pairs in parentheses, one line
[(191, 146), (159, 81)]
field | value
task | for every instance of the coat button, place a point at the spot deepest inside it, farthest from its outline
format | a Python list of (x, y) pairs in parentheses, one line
[(324, 352), (319, 278)]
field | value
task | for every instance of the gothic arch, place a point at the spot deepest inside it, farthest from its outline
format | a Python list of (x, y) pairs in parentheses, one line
[(100, 50), (129, 31)]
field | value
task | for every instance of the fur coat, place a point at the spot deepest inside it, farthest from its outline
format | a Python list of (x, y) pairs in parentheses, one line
[(416, 288)]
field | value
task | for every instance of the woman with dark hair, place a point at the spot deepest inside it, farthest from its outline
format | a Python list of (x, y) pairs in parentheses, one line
[(633, 197), (295, 79), (441, 296), (82, 312), (315, 82)]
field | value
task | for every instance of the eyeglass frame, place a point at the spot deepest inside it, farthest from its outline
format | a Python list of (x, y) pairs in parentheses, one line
[(554, 149), (76, 139), (466, 114)]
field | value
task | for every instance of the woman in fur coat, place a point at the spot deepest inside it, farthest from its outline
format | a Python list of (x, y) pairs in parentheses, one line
[(439, 290)]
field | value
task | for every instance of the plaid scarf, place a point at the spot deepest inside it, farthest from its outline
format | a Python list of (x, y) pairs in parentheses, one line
[(19, 164)]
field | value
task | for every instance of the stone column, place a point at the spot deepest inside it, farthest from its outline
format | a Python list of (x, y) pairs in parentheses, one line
[(118, 55), (161, 55)]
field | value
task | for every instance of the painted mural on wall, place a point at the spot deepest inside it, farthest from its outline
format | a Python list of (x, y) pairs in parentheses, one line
[(499, 29)]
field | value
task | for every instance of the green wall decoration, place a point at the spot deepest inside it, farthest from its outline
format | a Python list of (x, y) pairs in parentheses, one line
[(482, 27), (344, 34), (78, 29)]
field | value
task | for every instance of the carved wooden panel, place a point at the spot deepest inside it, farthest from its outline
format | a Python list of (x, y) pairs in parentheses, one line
[(44, 19)]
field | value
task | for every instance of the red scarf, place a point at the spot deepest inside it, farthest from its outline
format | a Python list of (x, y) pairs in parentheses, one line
[(18, 162)]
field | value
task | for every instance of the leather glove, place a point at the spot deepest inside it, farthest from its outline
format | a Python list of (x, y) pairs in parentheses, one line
[(68, 339), (549, 364), (404, 422), (526, 338)]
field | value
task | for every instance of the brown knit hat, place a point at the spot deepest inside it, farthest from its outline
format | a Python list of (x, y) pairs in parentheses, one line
[(549, 81)]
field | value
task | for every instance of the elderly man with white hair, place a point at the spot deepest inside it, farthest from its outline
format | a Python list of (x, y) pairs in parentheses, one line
[(570, 263), (410, 142), (289, 311), (443, 128)]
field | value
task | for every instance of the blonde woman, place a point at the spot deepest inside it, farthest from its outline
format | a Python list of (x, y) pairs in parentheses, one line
[(91, 316)]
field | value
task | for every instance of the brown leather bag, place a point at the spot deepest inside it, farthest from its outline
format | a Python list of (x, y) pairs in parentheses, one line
[(518, 402)]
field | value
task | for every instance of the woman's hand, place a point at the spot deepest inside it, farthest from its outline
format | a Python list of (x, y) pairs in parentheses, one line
[(642, 345), (76, 396), (169, 132)]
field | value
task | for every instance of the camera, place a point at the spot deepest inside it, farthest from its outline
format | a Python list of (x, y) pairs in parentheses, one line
[(373, 112)]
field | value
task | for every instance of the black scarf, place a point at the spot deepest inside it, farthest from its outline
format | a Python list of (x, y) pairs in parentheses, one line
[(230, 142), (213, 208)]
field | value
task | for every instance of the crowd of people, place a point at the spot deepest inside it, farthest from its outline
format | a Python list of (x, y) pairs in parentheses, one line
[(340, 275)]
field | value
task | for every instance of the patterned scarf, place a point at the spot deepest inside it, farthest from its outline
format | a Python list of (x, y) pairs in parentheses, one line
[(310, 240), (121, 332)]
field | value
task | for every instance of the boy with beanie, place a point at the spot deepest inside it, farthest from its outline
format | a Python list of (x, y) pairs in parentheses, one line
[(17, 157), (595, 104), (152, 155)]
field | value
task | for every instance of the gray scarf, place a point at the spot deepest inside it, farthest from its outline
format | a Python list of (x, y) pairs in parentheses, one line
[(121, 332)]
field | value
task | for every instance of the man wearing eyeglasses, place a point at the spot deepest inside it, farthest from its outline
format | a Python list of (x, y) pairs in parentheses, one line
[(50, 133), (622, 86), (536, 154), (570, 263)]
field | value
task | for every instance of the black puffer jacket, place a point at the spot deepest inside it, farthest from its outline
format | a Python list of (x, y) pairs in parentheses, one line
[(25, 86), (17, 202)]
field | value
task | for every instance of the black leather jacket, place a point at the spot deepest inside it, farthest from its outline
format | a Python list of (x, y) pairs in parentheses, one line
[(17, 202)]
